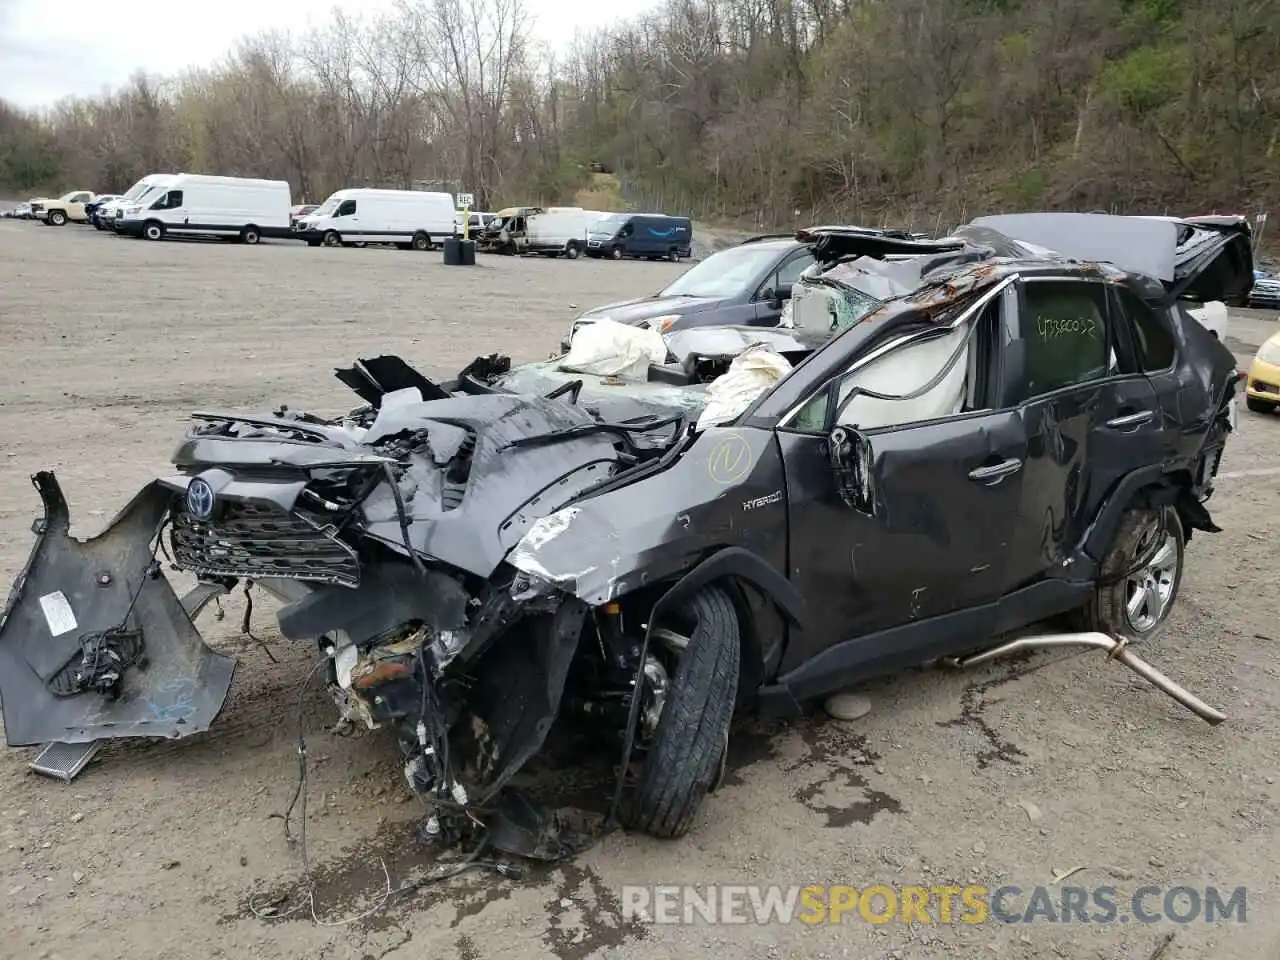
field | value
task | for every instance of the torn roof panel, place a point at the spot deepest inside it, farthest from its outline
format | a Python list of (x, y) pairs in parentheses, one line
[(1135, 244)]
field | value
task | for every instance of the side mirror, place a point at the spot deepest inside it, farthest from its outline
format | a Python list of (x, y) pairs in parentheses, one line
[(771, 298), (852, 460)]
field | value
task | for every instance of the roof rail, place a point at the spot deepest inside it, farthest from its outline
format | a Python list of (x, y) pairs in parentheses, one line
[(769, 236)]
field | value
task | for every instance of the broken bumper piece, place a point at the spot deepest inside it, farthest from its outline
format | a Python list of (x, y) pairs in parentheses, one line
[(95, 644)]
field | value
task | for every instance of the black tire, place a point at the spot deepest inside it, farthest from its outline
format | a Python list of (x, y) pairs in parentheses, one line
[(421, 241), (685, 759), (57, 218), (250, 235), (153, 230), (571, 251), (332, 239), (1259, 406), (1108, 611), (673, 255), (616, 253)]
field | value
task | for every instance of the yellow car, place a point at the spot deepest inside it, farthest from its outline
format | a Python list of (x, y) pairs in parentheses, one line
[(1262, 392)]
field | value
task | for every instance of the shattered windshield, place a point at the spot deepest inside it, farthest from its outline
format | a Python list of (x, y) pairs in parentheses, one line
[(723, 274)]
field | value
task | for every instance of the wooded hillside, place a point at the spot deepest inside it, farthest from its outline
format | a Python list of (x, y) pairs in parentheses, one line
[(922, 112)]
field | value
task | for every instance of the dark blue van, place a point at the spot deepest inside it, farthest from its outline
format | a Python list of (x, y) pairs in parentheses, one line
[(652, 236)]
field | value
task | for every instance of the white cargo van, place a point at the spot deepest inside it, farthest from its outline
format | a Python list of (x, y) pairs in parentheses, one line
[(560, 230), (411, 219), (148, 187), (196, 205)]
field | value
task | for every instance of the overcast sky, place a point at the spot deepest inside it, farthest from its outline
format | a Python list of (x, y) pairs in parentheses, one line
[(50, 49)]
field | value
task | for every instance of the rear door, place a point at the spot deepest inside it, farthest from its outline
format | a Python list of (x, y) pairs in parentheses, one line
[(1088, 420)]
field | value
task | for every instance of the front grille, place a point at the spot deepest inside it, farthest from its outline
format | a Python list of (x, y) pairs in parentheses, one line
[(256, 541)]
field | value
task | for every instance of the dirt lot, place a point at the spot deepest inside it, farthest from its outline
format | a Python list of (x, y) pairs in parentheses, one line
[(1006, 776)]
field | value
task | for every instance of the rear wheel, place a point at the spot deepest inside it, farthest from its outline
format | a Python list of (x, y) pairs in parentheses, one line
[(421, 241), (1260, 406), (332, 239), (571, 250), (673, 255), (1140, 576), (154, 230), (250, 234), (686, 756)]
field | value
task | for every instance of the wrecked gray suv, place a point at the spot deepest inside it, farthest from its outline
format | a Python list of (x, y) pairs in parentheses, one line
[(1021, 435)]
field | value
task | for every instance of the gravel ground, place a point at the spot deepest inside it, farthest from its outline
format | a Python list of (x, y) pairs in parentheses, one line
[(1012, 775)]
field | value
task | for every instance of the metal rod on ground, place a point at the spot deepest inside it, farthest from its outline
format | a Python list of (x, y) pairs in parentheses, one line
[(1117, 650)]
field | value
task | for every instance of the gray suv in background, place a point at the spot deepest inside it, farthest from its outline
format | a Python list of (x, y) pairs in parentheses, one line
[(745, 285)]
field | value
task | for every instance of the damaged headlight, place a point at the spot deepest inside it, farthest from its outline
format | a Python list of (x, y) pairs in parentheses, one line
[(664, 323)]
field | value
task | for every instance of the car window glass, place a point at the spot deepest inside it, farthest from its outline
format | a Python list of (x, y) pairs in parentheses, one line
[(728, 273), (347, 208), (790, 271), (1152, 338), (1064, 326)]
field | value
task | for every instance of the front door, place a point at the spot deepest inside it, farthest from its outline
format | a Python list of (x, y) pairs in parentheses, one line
[(918, 571)]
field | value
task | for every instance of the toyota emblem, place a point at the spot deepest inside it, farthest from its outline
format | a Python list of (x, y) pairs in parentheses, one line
[(199, 499)]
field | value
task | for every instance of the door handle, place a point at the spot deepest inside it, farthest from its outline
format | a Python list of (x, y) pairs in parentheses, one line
[(995, 472), (1131, 419)]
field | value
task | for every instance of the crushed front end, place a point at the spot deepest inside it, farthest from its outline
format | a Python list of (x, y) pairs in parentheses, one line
[(385, 535)]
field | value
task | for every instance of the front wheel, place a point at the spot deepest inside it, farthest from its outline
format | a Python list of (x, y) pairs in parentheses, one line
[(673, 255), (1259, 406), (57, 218), (616, 253), (686, 755), (1140, 576), (332, 239), (153, 230), (421, 241)]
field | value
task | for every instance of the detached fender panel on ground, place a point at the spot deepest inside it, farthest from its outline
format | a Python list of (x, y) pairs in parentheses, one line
[(71, 590)]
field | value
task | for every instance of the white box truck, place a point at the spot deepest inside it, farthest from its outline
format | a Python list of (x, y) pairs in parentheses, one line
[(410, 219), (193, 205), (560, 231)]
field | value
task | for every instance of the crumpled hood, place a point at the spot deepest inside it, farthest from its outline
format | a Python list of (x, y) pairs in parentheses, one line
[(473, 483)]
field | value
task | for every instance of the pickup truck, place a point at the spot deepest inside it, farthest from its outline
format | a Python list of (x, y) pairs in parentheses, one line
[(69, 206)]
